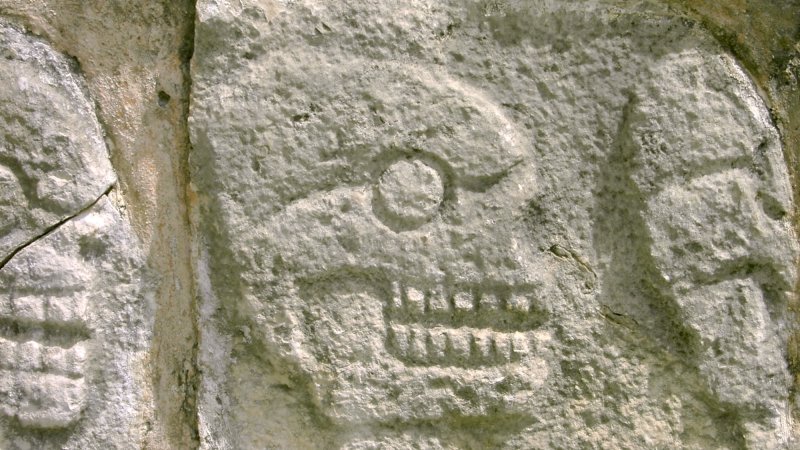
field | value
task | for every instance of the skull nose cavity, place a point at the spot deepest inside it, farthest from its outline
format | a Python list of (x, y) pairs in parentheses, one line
[(408, 194)]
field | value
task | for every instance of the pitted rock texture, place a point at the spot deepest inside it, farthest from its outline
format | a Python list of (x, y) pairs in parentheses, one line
[(53, 161), (75, 297), (484, 225), (408, 224), (74, 335)]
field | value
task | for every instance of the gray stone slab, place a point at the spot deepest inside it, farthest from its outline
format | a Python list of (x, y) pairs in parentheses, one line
[(484, 225)]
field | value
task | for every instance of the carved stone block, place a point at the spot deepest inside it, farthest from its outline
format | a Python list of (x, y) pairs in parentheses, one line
[(74, 306), (475, 224)]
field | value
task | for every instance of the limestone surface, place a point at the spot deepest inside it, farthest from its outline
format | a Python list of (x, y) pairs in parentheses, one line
[(454, 224), (75, 297), (73, 336), (133, 56), (53, 161), (484, 225)]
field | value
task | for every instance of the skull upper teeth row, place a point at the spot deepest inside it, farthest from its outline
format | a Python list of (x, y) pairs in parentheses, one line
[(42, 308), (505, 308), (44, 333)]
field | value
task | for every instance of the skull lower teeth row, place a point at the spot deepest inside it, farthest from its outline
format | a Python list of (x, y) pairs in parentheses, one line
[(462, 347), (34, 357), (41, 400)]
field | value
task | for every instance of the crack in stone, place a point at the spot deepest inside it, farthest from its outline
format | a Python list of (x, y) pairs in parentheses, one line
[(52, 228)]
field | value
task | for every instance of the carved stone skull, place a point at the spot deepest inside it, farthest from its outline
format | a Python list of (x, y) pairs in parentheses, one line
[(72, 284), (586, 224), (416, 293)]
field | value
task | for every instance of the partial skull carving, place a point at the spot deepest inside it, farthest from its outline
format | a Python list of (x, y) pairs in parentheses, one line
[(53, 161), (46, 335), (716, 220), (567, 242), (419, 311), (73, 327)]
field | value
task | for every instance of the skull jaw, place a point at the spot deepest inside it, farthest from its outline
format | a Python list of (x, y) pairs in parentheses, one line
[(437, 393), (472, 296), (363, 371)]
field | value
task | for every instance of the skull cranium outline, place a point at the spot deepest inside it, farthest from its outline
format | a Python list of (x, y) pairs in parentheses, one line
[(443, 313)]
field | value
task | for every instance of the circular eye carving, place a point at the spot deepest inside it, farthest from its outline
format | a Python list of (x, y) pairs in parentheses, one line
[(408, 194)]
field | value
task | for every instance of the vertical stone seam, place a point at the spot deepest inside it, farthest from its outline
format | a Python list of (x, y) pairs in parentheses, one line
[(191, 388)]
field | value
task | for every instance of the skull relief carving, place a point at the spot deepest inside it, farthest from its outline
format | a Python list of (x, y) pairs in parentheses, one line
[(72, 282), (449, 313), (513, 245)]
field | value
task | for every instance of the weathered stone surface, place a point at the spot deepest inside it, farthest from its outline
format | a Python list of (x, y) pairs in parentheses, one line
[(53, 161), (75, 327), (133, 55), (75, 302), (459, 224), (484, 224)]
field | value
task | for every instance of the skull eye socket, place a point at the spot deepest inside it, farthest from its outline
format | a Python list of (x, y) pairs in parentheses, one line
[(408, 194)]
